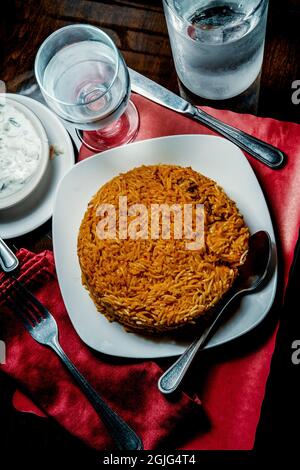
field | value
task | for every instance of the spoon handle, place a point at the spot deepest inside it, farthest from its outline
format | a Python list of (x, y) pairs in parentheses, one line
[(8, 261), (172, 378)]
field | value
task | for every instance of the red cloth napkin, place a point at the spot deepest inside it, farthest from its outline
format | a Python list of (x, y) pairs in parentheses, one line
[(129, 387), (232, 388)]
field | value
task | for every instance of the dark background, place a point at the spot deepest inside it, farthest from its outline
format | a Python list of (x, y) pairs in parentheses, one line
[(139, 30)]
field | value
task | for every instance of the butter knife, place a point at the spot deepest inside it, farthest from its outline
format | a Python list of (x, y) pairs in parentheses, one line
[(262, 151)]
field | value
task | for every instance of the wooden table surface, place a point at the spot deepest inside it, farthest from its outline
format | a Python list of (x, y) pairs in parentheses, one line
[(139, 30)]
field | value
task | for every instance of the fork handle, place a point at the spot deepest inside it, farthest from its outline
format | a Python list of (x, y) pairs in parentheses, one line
[(124, 437)]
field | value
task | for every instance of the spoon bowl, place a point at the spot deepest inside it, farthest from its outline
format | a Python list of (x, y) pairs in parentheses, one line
[(252, 274), (255, 269)]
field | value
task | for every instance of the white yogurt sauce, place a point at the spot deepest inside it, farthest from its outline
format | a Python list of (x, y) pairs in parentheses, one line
[(20, 149)]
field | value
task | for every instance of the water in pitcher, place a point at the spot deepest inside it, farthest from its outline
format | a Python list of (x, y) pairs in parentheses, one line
[(217, 46)]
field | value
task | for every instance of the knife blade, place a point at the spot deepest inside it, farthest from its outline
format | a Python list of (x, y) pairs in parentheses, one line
[(262, 151)]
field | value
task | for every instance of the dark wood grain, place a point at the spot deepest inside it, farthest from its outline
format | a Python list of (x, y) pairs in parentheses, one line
[(139, 30)]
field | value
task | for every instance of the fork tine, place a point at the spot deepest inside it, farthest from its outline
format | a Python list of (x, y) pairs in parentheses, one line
[(23, 302), (15, 308), (33, 300)]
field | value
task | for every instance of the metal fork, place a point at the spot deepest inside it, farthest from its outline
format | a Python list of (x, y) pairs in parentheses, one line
[(43, 328)]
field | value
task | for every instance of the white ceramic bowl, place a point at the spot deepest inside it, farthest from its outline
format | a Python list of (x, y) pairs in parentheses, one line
[(34, 180)]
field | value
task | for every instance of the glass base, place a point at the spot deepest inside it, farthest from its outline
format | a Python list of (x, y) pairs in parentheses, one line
[(246, 102), (118, 133)]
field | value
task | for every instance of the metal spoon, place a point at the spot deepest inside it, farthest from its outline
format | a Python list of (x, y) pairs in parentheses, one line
[(8, 260), (251, 276)]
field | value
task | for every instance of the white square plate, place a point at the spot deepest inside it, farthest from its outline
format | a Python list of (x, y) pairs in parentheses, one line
[(214, 157)]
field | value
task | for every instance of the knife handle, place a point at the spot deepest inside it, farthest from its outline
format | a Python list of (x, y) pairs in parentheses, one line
[(265, 153)]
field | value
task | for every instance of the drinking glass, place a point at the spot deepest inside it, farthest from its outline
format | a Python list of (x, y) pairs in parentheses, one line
[(84, 79), (217, 45)]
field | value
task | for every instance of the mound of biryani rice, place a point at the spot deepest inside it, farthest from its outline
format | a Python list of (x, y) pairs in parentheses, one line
[(156, 285)]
